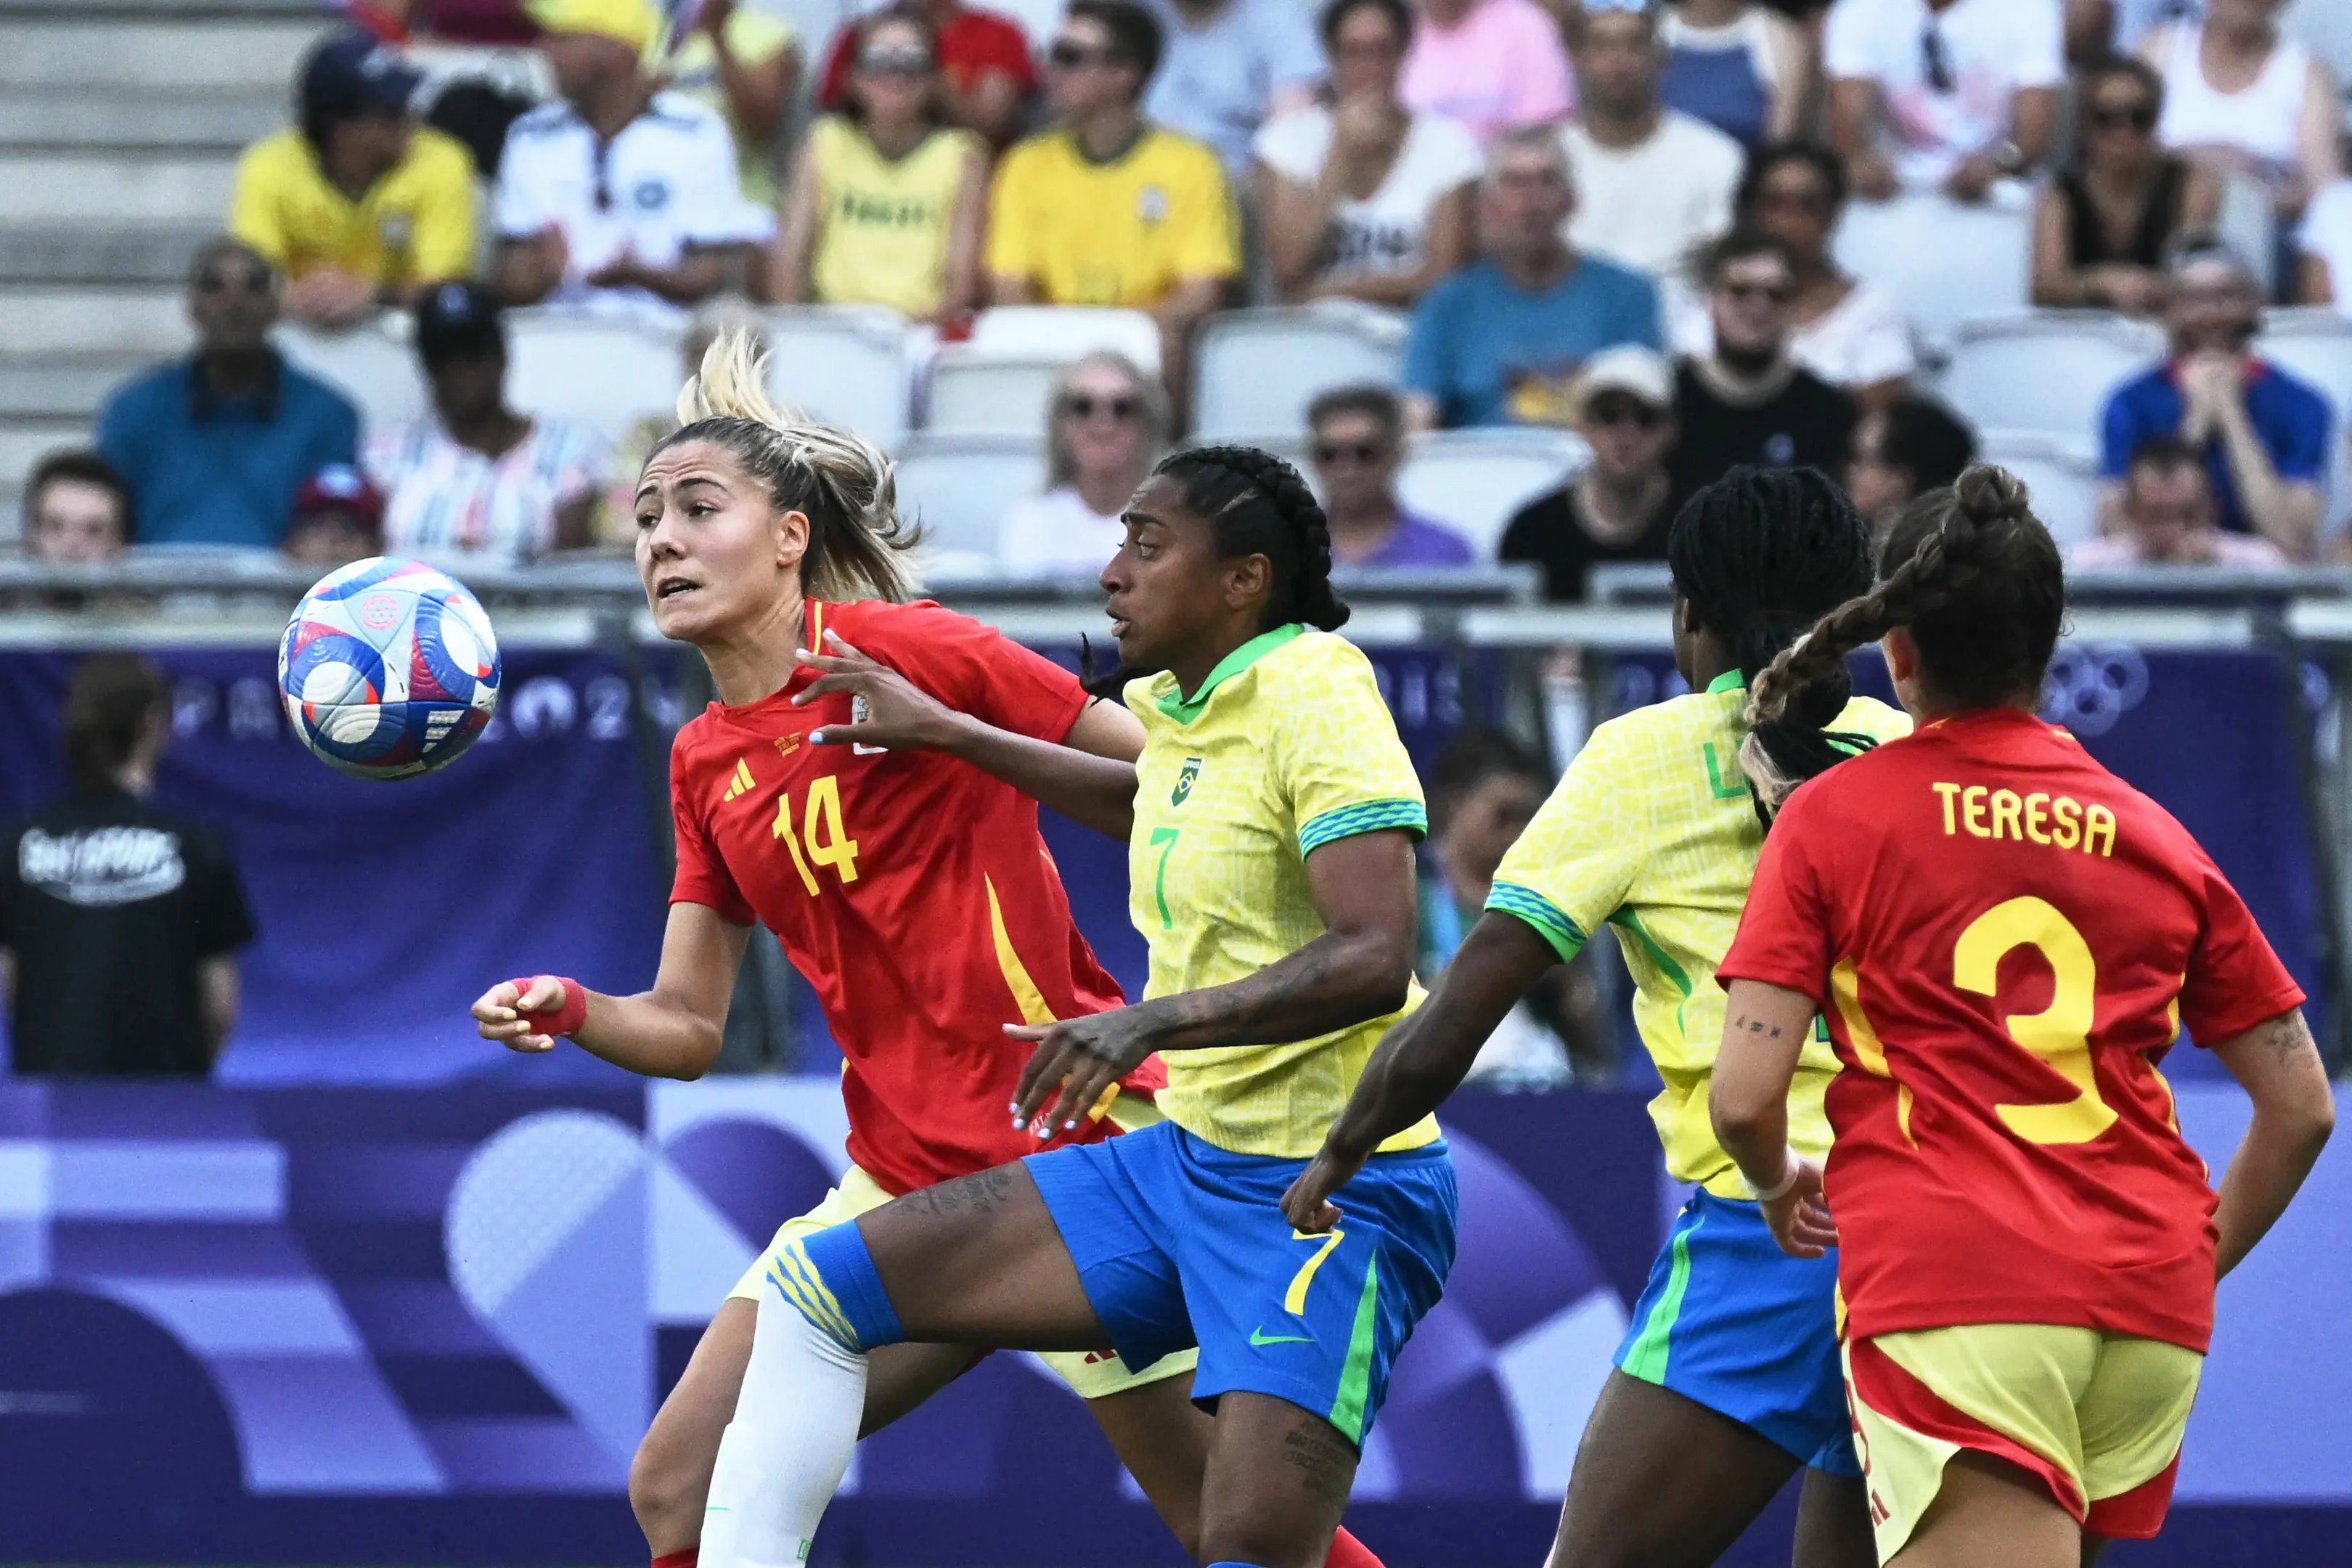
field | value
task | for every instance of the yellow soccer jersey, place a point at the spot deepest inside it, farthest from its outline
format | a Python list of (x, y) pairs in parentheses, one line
[(1653, 832), (1285, 747), (1121, 233), (416, 225)]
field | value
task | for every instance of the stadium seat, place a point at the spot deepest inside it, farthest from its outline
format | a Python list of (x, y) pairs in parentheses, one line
[(1258, 370), (2044, 370), (1000, 381), (1473, 480), (2061, 475), (1943, 262), (844, 364), (957, 487), (2249, 225), (373, 365), (606, 372), (1065, 332), (2316, 344)]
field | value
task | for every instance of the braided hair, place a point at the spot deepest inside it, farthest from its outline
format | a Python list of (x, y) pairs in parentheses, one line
[(1761, 555), (1256, 504), (1975, 578)]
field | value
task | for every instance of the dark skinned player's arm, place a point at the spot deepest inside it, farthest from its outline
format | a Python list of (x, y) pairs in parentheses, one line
[(1361, 967)]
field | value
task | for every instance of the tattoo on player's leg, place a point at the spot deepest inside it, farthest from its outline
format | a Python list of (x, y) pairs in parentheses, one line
[(1326, 1465), (980, 1194)]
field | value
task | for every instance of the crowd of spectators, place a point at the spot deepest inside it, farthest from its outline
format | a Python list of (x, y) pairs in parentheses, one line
[(1613, 218)]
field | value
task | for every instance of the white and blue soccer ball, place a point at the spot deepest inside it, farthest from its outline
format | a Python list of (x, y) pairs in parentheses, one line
[(388, 668)]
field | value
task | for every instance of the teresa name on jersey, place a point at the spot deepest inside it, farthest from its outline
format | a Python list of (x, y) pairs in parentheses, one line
[(2060, 821)]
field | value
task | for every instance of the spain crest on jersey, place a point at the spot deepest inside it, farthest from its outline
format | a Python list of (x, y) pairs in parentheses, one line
[(1185, 781)]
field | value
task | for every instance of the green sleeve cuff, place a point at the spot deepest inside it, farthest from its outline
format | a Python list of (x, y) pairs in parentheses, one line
[(1551, 923), (1364, 817)]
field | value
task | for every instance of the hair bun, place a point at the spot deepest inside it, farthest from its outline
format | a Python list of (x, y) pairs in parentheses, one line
[(1989, 493)]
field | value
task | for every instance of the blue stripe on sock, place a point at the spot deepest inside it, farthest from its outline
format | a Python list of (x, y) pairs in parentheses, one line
[(842, 1266)]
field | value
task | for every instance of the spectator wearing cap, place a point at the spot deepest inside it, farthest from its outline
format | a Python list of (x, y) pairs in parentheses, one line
[(1490, 64), (1949, 96), (617, 194), (1749, 401), (1621, 504), (1105, 208), (1652, 183), (1357, 436), (479, 481), (1229, 66), (75, 511), (1902, 451), (1500, 341), (337, 519), (212, 448), (357, 205), (2262, 433), (1366, 199), (986, 76), (2166, 509)]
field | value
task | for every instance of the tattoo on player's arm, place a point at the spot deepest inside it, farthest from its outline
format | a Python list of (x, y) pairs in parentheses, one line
[(1327, 1466), (2288, 1036), (1758, 1027)]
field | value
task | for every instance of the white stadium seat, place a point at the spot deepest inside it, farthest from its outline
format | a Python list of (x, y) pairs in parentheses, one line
[(2314, 344), (844, 364), (2044, 370), (1942, 261), (2248, 224), (1000, 380), (958, 487), (1065, 332), (373, 365), (607, 372), (1258, 370), (1473, 480), (2061, 475)]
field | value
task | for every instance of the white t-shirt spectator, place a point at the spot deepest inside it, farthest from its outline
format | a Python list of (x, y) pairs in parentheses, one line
[(668, 181), (1056, 535), (1217, 80), (1990, 49), (2327, 233), (1387, 232), (1648, 208), (1863, 341), (445, 499)]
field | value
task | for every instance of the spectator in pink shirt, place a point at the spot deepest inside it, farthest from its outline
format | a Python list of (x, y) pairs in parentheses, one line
[(2169, 518), (1490, 64)]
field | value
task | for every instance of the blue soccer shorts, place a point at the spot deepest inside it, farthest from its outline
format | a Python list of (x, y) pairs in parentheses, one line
[(1179, 1243), (1733, 1322)]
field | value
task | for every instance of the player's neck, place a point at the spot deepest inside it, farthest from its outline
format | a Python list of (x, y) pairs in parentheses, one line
[(1193, 668), (750, 663)]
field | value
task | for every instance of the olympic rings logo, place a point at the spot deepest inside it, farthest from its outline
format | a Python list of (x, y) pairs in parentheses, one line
[(2093, 685)]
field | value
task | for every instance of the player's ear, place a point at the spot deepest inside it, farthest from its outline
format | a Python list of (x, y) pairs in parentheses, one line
[(1247, 577), (1902, 655), (792, 533)]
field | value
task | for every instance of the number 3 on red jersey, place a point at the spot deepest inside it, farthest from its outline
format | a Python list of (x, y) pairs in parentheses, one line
[(820, 831)]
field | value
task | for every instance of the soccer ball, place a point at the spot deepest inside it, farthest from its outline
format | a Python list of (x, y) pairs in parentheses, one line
[(388, 669)]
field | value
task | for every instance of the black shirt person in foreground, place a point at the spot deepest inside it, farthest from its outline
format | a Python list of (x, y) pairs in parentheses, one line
[(120, 921)]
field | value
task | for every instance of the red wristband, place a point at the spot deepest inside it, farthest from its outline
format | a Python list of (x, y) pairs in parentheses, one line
[(560, 1022)]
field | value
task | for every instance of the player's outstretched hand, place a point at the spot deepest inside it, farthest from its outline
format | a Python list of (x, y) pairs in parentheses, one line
[(1307, 1204), (499, 1015), (892, 713), (1799, 1219), (1084, 1059)]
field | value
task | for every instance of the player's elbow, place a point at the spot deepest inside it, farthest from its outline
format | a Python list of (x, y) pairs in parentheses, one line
[(1380, 973), (2307, 1121), (1740, 1118)]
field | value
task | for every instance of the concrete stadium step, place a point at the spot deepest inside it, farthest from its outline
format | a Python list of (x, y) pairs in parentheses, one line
[(254, 54), (113, 190), (86, 254), (147, 321), (63, 386), (91, 120)]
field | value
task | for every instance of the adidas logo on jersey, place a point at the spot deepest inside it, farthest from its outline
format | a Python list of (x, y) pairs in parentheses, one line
[(742, 781)]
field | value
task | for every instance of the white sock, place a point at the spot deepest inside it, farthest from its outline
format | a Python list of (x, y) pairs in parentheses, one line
[(782, 1458)]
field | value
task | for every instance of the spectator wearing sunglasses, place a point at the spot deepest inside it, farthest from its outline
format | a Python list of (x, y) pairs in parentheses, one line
[(1108, 422), (1748, 402), (1949, 96), (1621, 504), (356, 204), (2101, 229), (1105, 208), (211, 449), (1366, 199), (616, 195), (986, 77), (888, 203), (1357, 436)]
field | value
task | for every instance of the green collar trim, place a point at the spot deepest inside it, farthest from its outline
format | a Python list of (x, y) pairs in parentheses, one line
[(1185, 710), (1729, 680)]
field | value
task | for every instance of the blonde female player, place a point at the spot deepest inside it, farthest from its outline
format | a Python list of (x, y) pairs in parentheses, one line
[(911, 889), (2005, 938)]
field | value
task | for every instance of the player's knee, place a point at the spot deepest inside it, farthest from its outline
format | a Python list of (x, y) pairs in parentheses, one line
[(667, 1487)]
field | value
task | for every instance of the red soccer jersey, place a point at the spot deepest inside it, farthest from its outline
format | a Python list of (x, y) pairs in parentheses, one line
[(912, 890), (972, 44), (2005, 939)]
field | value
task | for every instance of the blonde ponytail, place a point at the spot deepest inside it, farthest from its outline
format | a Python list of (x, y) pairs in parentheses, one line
[(843, 484)]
